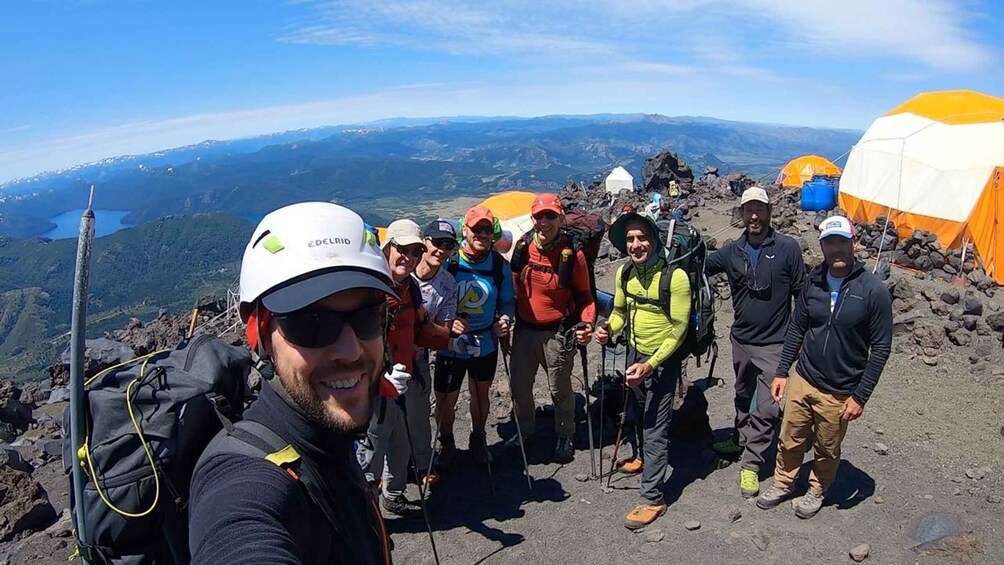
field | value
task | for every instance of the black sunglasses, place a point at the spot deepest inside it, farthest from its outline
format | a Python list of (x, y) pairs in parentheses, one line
[(483, 230), (546, 215), (321, 328), (751, 282), (445, 243), (414, 251)]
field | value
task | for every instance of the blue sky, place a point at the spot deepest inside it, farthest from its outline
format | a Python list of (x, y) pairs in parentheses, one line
[(85, 80)]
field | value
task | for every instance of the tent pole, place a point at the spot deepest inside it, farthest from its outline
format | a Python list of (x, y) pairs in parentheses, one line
[(888, 214)]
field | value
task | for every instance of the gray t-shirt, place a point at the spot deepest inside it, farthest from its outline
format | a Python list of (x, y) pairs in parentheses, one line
[(439, 296)]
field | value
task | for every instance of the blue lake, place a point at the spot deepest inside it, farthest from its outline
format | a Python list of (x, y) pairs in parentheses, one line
[(105, 222)]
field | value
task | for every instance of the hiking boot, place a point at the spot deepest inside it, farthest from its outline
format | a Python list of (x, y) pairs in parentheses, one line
[(631, 466), (447, 451), (729, 448), (807, 505), (398, 505), (772, 497), (749, 483), (478, 446), (513, 442), (643, 515), (564, 451)]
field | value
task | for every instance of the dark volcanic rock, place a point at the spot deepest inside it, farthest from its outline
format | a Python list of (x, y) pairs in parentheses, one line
[(663, 168), (23, 504), (99, 354), (13, 411)]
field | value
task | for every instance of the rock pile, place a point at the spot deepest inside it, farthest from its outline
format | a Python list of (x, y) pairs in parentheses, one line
[(662, 169), (729, 185)]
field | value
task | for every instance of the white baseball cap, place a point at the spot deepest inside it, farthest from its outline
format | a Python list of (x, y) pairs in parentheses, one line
[(837, 225), (305, 252), (403, 233), (754, 193)]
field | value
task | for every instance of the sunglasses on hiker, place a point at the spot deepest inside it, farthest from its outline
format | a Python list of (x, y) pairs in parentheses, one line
[(445, 243), (320, 328), (547, 215), (482, 230), (414, 251), (751, 283)]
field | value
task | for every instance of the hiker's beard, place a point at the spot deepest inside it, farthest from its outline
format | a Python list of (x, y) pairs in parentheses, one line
[(340, 411)]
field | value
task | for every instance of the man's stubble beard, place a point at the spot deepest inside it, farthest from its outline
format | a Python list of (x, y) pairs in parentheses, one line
[(303, 394)]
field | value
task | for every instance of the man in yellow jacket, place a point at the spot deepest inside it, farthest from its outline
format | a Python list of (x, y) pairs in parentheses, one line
[(656, 325)]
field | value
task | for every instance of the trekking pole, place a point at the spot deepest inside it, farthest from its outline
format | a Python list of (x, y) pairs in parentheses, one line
[(488, 459), (81, 276), (515, 417), (421, 486), (603, 371), (589, 419), (620, 426)]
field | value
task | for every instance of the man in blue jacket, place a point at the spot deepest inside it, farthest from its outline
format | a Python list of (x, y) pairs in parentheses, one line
[(842, 334)]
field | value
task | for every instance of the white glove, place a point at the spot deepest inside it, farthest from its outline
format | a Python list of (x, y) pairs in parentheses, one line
[(466, 343), (399, 378)]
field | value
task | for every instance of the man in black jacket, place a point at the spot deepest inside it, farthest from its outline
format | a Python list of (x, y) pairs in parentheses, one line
[(283, 486), (842, 335), (765, 271)]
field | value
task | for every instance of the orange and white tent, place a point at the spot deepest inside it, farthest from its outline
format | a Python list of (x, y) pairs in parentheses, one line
[(512, 209), (935, 163), (800, 170)]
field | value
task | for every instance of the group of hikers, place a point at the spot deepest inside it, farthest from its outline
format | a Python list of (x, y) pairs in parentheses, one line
[(367, 342)]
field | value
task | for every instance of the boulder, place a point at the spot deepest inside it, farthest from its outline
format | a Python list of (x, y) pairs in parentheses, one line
[(10, 457), (99, 354), (902, 289), (928, 335), (972, 306), (937, 260), (13, 410), (923, 263), (59, 394), (48, 449), (962, 338), (941, 275), (24, 504), (970, 322), (996, 321), (940, 309), (951, 296), (659, 170)]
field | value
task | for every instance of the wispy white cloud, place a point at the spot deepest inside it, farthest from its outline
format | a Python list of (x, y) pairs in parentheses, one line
[(15, 129), (740, 35)]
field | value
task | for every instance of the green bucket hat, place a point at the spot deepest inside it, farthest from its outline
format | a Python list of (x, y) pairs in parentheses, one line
[(618, 232)]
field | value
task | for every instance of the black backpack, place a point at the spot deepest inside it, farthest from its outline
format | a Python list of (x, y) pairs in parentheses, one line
[(148, 422), (688, 251)]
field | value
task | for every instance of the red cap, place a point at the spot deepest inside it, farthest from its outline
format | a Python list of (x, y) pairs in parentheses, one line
[(478, 214), (547, 201)]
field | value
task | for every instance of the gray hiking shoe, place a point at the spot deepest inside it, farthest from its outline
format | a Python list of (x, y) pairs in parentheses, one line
[(564, 450), (772, 497), (807, 505), (398, 505)]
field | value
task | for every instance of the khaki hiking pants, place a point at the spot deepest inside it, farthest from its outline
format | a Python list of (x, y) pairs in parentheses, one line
[(806, 408), (533, 348)]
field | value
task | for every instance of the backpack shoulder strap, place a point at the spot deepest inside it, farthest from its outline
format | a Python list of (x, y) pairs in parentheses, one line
[(520, 255), (665, 286), (453, 267), (498, 270), (283, 455)]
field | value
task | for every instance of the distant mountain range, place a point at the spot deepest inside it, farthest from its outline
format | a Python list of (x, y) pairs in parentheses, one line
[(423, 159)]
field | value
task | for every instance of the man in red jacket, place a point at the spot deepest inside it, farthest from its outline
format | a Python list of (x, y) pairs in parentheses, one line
[(409, 326), (553, 295)]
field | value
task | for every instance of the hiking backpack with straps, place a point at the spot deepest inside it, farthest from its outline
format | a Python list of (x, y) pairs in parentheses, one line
[(148, 422), (686, 250), (585, 231)]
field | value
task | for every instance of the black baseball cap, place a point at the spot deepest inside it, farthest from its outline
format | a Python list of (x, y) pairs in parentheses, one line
[(439, 228)]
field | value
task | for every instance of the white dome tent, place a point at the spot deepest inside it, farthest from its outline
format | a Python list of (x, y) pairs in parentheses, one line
[(619, 179)]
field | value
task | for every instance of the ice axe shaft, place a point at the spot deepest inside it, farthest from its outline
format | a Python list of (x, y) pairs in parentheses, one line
[(589, 419)]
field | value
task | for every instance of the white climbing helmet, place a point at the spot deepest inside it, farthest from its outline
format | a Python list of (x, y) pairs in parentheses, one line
[(305, 252)]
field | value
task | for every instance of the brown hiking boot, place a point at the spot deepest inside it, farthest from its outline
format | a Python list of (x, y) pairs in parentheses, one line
[(643, 515), (631, 466)]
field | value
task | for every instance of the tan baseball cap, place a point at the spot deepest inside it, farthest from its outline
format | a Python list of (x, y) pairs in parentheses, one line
[(754, 193)]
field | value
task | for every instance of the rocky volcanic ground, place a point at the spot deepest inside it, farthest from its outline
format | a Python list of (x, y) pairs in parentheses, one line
[(920, 480)]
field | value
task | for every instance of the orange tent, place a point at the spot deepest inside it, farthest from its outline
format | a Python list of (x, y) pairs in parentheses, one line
[(935, 163), (800, 170)]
